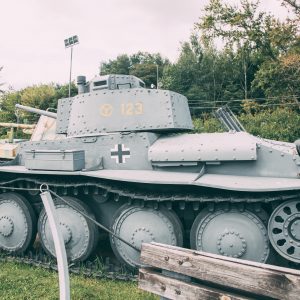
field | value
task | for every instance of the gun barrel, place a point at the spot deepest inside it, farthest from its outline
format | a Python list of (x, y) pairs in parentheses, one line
[(37, 111)]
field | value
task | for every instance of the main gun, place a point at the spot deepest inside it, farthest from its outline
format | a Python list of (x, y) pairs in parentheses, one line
[(37, 111)]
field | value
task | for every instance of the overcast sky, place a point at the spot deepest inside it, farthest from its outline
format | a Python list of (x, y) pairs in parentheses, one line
[(32, 34)]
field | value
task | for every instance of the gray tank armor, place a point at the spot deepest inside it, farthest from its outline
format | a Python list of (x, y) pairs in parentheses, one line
[(120, 149)]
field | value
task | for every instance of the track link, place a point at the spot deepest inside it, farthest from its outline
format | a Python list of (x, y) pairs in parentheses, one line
[(119, 190), (92, 269)]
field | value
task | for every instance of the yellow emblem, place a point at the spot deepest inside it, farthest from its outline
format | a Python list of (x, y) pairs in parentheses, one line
[(106, 110)]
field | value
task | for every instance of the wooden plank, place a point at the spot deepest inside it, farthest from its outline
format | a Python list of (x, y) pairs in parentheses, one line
[(259, 279), (171, 288), (234, 260)]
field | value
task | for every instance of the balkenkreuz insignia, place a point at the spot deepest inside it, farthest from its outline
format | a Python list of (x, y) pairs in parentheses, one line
[(120, 153)]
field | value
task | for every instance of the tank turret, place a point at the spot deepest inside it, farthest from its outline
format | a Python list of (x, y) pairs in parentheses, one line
[(119, 103)]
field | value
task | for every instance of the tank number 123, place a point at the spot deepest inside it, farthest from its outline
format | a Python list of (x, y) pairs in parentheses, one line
[(126, 109), (132, 108)]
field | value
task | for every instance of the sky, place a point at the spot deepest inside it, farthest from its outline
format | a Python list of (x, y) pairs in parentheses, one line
[(33, 31)]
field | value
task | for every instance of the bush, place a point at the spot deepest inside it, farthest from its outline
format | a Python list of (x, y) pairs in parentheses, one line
[(207, 123), (280, 124)]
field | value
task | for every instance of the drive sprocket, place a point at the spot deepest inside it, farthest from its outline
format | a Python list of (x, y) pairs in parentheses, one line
[(284, 230)]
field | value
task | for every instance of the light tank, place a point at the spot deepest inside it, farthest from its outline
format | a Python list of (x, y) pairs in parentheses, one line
[(125, 155)]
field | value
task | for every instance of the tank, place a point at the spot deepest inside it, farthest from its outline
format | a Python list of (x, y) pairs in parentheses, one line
[(126, 156)]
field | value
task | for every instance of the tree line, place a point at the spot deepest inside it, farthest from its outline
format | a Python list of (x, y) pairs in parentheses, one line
[(235, 52), (237, 55)]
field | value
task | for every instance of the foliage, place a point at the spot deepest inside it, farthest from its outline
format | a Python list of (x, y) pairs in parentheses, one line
[(44, 96), (141, 64), (279, 78), (250, 35), (244, 28), (120, 65), (146, 72), (24, 282), (207, 123), (282, 124), (294, 4), (1, 84), (259, 57), (181, 76), (210, 76)]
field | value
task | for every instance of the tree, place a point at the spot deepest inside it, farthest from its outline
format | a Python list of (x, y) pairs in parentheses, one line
[(141, 64), (146, 72), (1, 84), (181, 76), (203, 74), (120, 65), (252, 36), (148, 66), (42, 96), (294, 4), (62, 91), (280, 78), (282, 124)]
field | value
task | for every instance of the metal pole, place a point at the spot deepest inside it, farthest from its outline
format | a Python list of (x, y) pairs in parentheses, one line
[(60, 250), (156, 76), (70, 72)]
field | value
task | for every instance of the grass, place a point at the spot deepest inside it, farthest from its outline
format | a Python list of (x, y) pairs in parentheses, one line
[(18, 281)]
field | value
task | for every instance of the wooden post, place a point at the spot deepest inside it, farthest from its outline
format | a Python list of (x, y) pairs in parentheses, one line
[(229, 277)]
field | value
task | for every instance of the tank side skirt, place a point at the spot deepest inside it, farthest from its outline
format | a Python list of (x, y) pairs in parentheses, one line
[(138, 192)]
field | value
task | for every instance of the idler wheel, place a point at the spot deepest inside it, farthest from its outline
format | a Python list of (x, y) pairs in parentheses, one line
[(284, 230), (139, 225), (17, 223), (232, 233), (80, 234)]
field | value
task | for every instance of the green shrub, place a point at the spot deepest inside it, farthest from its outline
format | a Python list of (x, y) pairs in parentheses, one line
[(281, 124)]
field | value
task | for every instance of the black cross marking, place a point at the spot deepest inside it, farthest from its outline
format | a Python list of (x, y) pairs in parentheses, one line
[(120, 153)]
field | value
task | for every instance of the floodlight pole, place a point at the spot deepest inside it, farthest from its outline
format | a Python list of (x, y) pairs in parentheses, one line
[(70, 79), (69, 43), (156, 76)]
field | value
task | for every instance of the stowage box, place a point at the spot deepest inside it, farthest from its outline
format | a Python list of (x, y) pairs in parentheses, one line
[(55, 160)]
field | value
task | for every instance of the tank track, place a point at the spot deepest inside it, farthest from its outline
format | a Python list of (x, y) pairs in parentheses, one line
[(119, 190), (90, 269)]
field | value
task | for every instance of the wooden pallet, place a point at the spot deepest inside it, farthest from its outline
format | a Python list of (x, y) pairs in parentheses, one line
[(177, 273)]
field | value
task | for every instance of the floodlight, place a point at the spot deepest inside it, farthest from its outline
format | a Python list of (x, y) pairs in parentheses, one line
[(69, 43)]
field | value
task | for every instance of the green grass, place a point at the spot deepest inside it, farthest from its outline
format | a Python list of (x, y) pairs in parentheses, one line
[(18, 281)]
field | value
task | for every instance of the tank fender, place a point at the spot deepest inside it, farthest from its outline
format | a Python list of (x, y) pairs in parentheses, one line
[(228, 146)]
